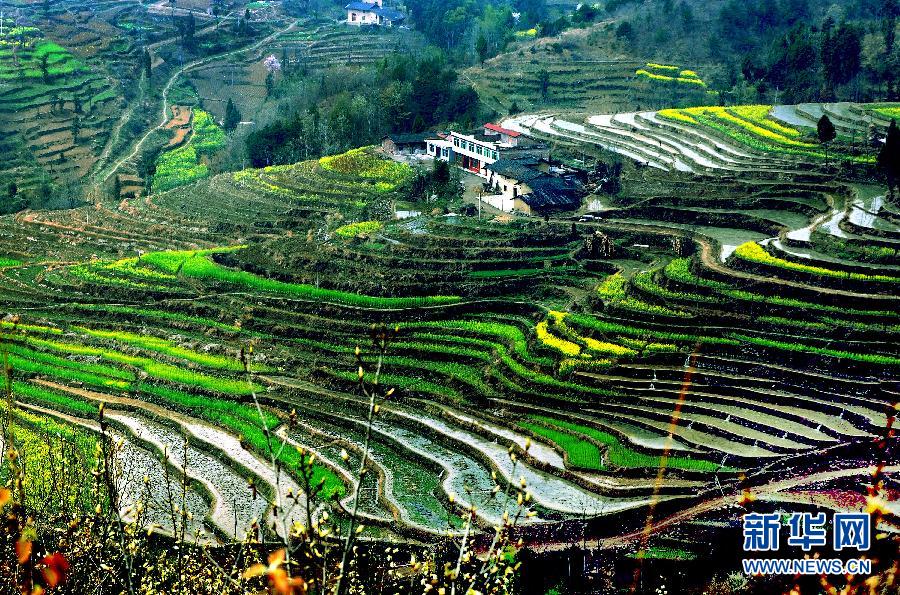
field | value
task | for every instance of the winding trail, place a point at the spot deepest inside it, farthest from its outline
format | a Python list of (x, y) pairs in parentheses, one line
[(104, 176), (115, 133)]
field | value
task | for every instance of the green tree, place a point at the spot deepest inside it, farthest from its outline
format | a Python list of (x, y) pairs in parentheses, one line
[(625, 31), (889, 157), (544, 83), (45, 69), (190, 29), (232, 116), (841, 54), (481, 48), (12, 190), (270, 83), (794, 66), (147, 63), (826, 132), (440, 173), (117, 187)]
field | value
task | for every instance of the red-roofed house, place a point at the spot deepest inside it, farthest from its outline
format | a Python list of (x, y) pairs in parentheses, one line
[(510, 137), (474, 152)]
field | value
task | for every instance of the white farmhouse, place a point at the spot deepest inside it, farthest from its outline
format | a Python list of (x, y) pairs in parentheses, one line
[(373, 13), (474, 152)]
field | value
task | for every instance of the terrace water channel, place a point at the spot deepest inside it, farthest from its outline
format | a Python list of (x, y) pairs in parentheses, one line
[(140, 477), (728, 238), (547, 490), (233, 509)]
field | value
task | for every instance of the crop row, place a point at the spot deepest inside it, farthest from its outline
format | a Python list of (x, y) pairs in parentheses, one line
[(679, 270), (753, 252), (613, 291), (668, 73), (183, 165), (388, 175), (197, 265), (151, 367), (586, 454)]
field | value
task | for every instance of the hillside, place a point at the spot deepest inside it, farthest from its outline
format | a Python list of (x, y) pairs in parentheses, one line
[(581, 69), (509, 332), (259, 337)]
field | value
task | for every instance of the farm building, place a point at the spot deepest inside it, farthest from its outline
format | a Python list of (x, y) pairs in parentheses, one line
[(373, 13), (406, 143), (507, 136), (532, 186), (474, 152), (440, 146)]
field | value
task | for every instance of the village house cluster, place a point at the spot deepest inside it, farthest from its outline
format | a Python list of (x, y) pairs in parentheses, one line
[(519, 174)]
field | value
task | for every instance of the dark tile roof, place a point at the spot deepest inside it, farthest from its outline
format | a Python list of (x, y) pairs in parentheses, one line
[(521, 170), (390, 14), (408, 139), (550, 192)]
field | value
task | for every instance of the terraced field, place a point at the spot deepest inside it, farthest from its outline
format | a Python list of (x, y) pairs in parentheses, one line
[(584, 70), (313, 46), (722, 346), (56, 109)]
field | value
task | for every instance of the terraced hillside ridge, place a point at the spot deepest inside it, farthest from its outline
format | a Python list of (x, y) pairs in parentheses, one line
[(57, 108), (312, 46), (720, 348), (738, 139), (582, 70)]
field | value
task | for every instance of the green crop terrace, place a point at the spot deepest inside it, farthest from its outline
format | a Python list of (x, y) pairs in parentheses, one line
[(666, 371)]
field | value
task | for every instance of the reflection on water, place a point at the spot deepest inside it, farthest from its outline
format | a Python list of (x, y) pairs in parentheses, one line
[(864, 213)]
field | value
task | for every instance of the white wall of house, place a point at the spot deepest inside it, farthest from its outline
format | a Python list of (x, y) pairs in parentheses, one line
[(504, 203), (439, 149), (357, 17), (468, 148), (507, 187), (361, 17)]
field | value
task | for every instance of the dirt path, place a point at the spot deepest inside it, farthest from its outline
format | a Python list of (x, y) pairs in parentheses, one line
[(171, 83)]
